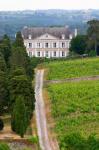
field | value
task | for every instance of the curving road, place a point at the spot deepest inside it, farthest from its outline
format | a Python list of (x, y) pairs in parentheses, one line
[(40, 112)]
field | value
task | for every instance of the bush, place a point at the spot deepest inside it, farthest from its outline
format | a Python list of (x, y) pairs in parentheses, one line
[(1, 124), (33, 140), (73, 141), (92, 53)]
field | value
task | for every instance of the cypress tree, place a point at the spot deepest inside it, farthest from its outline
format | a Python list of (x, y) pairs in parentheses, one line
[(19, 116)]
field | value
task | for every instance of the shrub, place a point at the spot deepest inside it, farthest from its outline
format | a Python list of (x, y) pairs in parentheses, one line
[(33, 140), (92, 53), (4, 146)]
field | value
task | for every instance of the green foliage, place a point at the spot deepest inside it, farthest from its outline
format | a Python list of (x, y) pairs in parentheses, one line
[(92, 53), (20, 84), (19, 57), (75, 107), (19, 40), (33, 140), (19, 116), (75, 141), (93, 35), (2, 63), (4, 146), (5, 48), (3, 92), (73, 68), (78, 44), (16, 92)]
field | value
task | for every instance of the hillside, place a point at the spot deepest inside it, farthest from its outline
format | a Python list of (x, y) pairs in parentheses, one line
[(11, 22), (75, 104)]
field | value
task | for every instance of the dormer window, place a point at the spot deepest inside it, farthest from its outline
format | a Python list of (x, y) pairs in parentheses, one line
[(46, 35), (30, 37), (63, 36)]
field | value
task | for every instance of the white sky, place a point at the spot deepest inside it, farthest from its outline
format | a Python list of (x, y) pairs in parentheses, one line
[(48, 4)]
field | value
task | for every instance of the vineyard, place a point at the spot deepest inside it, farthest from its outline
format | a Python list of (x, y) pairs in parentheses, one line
[(72, 68), (75, 107)]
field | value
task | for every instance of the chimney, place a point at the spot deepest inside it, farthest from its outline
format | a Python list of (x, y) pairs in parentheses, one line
[(76, 33), (70, 36)]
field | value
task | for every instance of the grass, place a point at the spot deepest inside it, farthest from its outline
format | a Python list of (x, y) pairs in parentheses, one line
[(72, 68), (75, 108)]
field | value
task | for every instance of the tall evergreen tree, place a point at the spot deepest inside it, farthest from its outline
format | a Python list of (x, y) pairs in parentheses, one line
[(5, 48), (3, 92), (19, 40), (2, 63), (19, 116), (19, 57), (20, 84), (3, 85), (93, 35)]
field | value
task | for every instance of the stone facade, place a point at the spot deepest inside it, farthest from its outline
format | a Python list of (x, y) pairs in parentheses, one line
[(47, 42)]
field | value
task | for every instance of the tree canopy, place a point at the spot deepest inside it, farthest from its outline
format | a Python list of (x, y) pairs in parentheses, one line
[(78, 44)]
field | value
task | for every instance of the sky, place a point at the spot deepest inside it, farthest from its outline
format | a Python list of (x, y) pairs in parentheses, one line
[(48, 4)]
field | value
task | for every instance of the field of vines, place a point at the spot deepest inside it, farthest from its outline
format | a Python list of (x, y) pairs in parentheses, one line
[(72, 68), (75, 108)]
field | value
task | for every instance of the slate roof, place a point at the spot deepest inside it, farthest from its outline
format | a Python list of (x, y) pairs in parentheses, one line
[(38, 31)]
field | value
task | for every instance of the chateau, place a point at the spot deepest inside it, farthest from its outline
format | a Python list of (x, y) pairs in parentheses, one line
[(48, 41)]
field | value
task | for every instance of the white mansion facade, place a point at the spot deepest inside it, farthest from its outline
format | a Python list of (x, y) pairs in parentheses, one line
[(47, 42)]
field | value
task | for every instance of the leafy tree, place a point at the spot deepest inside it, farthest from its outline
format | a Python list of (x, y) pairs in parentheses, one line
[(3, 85), (5, 48), (93, 35), (78, 44), (19, 116), (1, 124), (2, 63), (19, 40), (3, 92)]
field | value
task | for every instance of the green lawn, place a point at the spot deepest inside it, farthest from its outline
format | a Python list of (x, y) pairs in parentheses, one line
[(75, 107), (72, 68)]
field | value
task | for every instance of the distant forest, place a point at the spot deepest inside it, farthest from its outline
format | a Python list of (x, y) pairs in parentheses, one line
[(11, 22)]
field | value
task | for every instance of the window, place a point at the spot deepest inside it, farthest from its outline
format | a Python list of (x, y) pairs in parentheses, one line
[(46, 54), (54, 45), (30, 54), (30, 45), (38, 54), (55, 54), (30, 37), (46, 45), (38, 45), (63, 45), (63, 54)]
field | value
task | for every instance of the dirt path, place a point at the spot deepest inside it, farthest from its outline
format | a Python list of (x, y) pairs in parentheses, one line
[(40, 112), (72, 79)]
